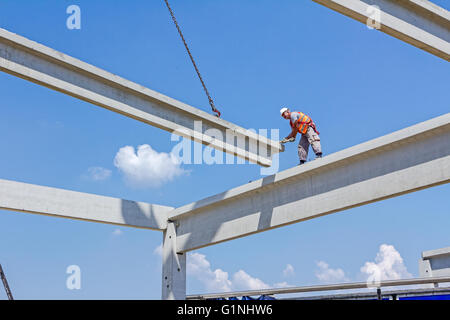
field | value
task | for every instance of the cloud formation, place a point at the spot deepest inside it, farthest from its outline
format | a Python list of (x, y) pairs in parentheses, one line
[(388, 265), (288, 271), (158, 251), (243, 281), (117, 232), (219, 280), (328, 275), (98, 173), (200, 268), (147, 167)]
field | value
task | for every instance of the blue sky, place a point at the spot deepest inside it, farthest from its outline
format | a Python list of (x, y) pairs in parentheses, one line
[(256, 56)]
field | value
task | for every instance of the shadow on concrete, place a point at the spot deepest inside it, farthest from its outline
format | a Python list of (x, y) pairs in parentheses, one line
[(144, 215)]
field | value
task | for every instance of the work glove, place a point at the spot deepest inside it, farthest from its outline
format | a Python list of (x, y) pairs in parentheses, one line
[(292, 139)]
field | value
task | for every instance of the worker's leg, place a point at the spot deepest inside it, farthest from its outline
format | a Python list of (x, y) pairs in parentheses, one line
[(314, 141), (303, 147)]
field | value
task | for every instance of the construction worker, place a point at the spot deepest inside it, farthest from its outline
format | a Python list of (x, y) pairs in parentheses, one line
[(301, 123)]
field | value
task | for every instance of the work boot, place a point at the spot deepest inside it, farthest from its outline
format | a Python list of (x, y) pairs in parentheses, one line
[(302, 162)]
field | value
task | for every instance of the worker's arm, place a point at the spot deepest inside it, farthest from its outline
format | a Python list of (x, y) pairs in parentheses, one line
[(293, 133), (291, 136)]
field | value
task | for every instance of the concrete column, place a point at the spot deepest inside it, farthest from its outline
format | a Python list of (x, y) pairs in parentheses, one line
[(173, 267)]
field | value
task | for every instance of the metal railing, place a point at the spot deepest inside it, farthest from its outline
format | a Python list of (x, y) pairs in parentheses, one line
[(316, 288)]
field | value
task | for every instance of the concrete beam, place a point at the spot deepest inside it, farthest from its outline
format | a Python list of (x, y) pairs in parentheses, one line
[(436, 253), (408, 160), (418, 22), (42, 65), (29, 198)]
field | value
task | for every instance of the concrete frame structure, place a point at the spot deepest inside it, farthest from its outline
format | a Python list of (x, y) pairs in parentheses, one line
[(372, 171)]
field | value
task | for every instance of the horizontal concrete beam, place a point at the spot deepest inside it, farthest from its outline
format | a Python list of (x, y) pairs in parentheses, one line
[(418, 22), (408, 160), (437, 253), (29, 198), (42, 65)]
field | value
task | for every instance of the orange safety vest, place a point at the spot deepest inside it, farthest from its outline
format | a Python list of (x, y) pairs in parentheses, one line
[(303, 123)]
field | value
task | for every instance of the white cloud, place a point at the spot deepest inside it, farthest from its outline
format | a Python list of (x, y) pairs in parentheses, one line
[(219, 281), (98, 173), (158, 251), (328, 275), (117, 232), (243, 281), (200, 268), (388, 265), (147, 167), (288, 271)]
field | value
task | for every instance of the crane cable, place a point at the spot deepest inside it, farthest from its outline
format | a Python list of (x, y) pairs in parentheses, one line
[(211, 102)]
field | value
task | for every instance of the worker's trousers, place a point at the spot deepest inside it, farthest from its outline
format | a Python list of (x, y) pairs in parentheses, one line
[(309, 138)]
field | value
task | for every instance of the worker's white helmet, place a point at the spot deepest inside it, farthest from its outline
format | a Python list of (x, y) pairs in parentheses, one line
[(283, 110)]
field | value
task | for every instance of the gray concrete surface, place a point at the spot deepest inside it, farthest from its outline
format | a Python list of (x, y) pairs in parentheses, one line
[(420, 23), (174, 267), (407, 160), (29, 198), (42, 65), (435, 263)]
